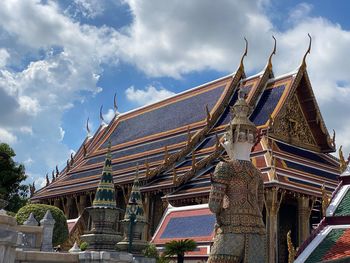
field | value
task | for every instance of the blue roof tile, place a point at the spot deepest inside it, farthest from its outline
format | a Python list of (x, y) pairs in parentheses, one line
[(266, 105), (191, 226)]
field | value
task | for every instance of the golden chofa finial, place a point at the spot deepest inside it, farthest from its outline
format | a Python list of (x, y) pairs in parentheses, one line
[(175, 179), (342, 162), (88, 128), (269, 64), (241, 66), (325, 200), (303, 64)]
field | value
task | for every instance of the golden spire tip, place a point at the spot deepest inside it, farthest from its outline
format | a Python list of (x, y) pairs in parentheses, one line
[(307, 51)]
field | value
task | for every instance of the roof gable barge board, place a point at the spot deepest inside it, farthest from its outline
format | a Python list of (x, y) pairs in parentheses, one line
[(284, 115)]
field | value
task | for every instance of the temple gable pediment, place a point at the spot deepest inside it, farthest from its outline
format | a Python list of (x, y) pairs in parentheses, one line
[(290, 125)]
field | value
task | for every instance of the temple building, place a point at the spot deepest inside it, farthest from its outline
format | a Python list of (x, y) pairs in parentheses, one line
[(329, 242), (175, 143)]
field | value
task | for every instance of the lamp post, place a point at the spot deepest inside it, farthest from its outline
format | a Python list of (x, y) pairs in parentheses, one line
[(132, 217)]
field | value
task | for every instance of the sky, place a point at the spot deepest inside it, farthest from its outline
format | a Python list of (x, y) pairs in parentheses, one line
[(61, 60)]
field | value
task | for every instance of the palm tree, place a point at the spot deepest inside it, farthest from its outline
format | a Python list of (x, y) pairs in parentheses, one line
[(179, 247)]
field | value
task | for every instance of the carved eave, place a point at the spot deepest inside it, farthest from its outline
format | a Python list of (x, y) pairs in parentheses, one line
[(298, 121)]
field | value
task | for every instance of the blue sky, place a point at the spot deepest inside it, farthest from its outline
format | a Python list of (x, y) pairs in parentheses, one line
[(61, 60)]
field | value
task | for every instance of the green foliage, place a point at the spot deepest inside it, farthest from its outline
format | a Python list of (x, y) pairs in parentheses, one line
[(179, 247), (60, 231), (9, 213), (11, 177), (151, 251), (83, 246)]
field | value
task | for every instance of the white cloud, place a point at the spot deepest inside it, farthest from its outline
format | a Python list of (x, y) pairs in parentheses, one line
[(88, 8), (4, 56), (28, 161), (109, 115), (148, 95), (26, 130), (66, 60), (7, 137), (301, 11), (62, 132), (180, 37)]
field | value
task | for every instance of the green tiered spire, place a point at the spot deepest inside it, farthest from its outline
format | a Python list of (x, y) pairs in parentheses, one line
[(105, 193), (135, 197)]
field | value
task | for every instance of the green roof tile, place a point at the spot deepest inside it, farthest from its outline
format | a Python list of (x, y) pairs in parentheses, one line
[(343, 208), (105, 193), (321, 250)]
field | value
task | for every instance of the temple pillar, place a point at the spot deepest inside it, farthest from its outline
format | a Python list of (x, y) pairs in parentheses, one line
[(273, 199), (146, 206), (57, 202), (82, 204), (304, 211), (67, 202)]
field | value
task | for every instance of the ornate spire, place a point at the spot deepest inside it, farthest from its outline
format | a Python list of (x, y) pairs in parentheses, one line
[(189, 136), (303, 63), (166, 154), (241, 65), (101, 116), (116, 112), (57, 171), (105, 193), (47, 179), (147, 168), (193, 161), (135, 197), (53, 176), (217, 142), (269, 64), (174, 175), (88, 132), (208, 114)]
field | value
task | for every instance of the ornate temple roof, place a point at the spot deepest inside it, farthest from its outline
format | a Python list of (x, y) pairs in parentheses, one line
[(195, 222), (331, 239), (176, 141)]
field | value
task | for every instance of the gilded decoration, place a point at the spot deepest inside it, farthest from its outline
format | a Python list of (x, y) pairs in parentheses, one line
[(291, 249), (291, 124), (237, 196)]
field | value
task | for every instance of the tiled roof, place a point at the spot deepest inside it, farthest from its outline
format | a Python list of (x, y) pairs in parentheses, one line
[(343, 208), (322, 249), (192, 222), (141, 136)]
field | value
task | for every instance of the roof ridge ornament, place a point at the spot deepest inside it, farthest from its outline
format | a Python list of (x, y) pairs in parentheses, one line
[(241, 66), (303, 63), (116, 112), (101, 116), (88, 131), (269, 64)]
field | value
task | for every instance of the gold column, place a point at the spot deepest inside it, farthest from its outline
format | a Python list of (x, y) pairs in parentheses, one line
[(305, 205), (146, 206), (82, 204), (57, 202), (273, 199), (67, 202)]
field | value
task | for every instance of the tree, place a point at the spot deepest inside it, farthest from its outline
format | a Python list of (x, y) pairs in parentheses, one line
[(179, 248), (11, 177), (60, 230)]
